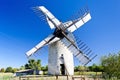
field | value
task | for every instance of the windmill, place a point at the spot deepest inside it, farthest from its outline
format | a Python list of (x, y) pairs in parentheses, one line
[(62, 44)]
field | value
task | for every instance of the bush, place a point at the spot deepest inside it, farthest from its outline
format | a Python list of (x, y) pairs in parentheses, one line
[(111, 65)]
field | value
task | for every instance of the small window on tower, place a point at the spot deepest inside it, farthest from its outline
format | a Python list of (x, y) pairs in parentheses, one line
[(61, 56)]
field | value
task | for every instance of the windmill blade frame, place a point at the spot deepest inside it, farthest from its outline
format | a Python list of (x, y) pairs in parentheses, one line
[(70, 44), (51, 19), (62, 44), (75, 24), (50, 39)]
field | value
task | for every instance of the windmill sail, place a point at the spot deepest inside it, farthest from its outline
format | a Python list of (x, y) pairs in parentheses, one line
[(62, 42), (51, 19), (84, 59), (75, 24), (50, 39)]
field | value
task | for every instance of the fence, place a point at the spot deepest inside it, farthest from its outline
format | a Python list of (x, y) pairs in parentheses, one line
[(42, 78), (56, 78), (39, 77)]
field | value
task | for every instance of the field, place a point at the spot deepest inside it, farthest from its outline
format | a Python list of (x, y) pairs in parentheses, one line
[(78, 77), (87, 75), (6, 76)]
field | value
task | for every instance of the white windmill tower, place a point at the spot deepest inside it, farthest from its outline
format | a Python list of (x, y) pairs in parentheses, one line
[(62, 44)]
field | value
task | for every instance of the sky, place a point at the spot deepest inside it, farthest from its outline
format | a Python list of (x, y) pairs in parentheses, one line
[(21, 28)]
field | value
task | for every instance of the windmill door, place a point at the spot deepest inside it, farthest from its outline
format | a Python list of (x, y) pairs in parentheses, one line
[(62, 69)]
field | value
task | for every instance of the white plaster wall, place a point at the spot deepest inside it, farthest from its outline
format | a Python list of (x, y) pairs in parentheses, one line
[(54, 60)]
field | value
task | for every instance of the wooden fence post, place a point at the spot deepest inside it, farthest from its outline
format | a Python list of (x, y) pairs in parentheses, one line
[(67, 77), (27, 78), (56, 77), (20, 78)]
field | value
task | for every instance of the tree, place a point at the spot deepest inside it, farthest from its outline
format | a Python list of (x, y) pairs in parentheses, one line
[(96, 68), (44, 69), (111, 65), (32, 64), (8, 69), (14, 70), (76, 68), (2, 70), (80, 69), (22, 68)]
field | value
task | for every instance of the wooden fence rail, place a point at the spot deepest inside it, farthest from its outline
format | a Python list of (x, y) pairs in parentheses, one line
[(55, 78)]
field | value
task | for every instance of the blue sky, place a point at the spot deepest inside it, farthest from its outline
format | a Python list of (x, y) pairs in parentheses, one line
[(21, 28)]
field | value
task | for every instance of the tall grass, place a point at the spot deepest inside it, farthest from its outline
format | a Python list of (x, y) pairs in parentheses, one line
[(6, 76), (87, 73)]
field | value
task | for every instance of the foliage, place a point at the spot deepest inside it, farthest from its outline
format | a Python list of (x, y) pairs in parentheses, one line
[(22, 68), (2, 70), (32, 64), (93, 68), (8, 69), (96, 68), (11, 70), (44, 68), (14, 70), (111, 64), (80, 69), (76, 68)]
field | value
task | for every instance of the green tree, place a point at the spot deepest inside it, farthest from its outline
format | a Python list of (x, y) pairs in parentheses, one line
[(32, 64), (22, 68), (96, 68), (111, 65), (80, 69), (44, 69), (2, 70), (76, 68), (90, 68), (8, 69), (14, 70)]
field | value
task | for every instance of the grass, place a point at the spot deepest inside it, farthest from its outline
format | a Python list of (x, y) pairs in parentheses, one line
[(87, 73), (8, 76), (5, 76)]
